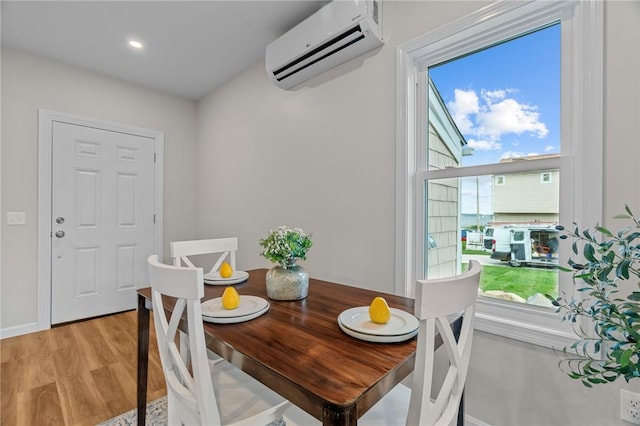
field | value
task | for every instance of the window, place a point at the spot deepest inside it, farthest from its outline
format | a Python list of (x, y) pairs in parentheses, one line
[(434, 174)]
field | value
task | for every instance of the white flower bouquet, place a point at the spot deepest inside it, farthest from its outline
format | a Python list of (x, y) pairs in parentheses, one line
[(285, 245)]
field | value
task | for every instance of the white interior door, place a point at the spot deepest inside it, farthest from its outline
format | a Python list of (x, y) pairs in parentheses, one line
[(102, 220)]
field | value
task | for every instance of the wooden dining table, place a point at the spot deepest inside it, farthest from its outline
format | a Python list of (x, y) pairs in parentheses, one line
[(298, 350)]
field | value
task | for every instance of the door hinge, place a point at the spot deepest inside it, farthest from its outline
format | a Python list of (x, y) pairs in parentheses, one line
[(154, 157), (154, 219)]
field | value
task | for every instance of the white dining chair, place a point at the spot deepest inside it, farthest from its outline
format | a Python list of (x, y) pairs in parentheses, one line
[(196, 394), (225, 248), (437, 302)]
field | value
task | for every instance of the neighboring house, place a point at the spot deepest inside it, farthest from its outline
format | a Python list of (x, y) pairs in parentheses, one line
[(443, 217), (531, 197)]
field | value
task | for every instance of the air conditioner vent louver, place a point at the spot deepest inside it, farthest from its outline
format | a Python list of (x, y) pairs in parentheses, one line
[(321, 52), (335, 34)]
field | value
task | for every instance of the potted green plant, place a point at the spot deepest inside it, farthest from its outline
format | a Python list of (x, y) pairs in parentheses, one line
[(284, 246), (611, 348)]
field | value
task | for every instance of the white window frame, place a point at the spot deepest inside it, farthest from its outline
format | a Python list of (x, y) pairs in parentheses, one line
[(580, 159), (542, 177), (501, 180)]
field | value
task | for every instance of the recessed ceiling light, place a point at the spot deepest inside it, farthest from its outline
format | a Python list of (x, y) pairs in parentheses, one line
[(135, 43)]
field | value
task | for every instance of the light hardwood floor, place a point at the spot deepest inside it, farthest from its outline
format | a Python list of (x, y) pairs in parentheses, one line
[(80, 373)]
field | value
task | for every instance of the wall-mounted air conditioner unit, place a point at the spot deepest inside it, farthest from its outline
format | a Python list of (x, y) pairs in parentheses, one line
[(338, 32)]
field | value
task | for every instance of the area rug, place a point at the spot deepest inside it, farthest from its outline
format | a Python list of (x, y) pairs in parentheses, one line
[(156, 416)]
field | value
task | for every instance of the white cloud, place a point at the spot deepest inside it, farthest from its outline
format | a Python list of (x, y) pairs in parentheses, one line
[(492, 115), (484, 145), (464, 105), (466, 101), (549, 148), (491, 96), (510, 116)]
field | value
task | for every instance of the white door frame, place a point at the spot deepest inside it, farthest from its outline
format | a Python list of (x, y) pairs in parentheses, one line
[(46, 119)]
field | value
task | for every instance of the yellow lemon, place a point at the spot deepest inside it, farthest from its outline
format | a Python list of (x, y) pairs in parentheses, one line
[(226, 270), (230, 298), (379, 311)]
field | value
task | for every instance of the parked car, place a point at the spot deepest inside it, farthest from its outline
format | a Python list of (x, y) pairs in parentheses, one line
[(494, 234), (473, 239), (523, 245)]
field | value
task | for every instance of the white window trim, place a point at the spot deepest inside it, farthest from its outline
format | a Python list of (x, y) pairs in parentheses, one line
[(582, 66), (542, 179), (501, 180)]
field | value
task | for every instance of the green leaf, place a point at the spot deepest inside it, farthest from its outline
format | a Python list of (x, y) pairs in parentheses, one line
[(628, 210), (614, 329), (622, 231), (589, 253), (604, 231), (602, 275), (622, 270), (632, 236), (625, 358), (610, 257)]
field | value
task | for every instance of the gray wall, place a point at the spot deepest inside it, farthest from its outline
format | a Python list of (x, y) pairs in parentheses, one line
[(29, 83), (323, 158)]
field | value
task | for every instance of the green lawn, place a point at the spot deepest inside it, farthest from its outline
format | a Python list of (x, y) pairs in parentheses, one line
[(522, 281)]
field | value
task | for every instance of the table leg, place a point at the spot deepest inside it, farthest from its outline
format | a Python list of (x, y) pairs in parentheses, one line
[(143, 358), (457, 327), (461, 411), (331, 416)]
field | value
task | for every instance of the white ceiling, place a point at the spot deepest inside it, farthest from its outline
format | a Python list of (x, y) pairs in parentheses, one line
[(191, 47)]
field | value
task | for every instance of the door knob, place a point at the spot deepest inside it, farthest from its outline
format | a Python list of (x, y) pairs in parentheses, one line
[(59, 234), (60, 220)]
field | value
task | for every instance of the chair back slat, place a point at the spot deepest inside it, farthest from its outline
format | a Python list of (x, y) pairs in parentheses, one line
[(437, 302), (176, 282), (188, 389), (226, 247), (447, 296)]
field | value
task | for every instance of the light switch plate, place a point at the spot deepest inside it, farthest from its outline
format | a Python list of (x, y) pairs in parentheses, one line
[(16, 218)]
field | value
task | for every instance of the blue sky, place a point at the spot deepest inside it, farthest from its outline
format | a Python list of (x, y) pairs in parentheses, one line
[(506, 102), (506, 99)]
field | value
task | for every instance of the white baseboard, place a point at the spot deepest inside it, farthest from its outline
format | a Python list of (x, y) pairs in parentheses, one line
[(19, 330), (472, 421)]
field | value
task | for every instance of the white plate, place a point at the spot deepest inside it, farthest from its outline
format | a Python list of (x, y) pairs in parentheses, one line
[(214, 278), (249, 305), (377, 339), (232, 320), (357, 319)]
